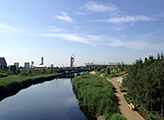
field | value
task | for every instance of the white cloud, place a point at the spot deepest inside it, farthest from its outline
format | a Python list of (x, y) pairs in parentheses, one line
[(127, 19), (134, 44), (9, 29), (137, 42), (80, 13), (139, 45), (69, 37), (160, 14), (98, 7), (65, 17), (83, 38), (56, 29), (117, 28)]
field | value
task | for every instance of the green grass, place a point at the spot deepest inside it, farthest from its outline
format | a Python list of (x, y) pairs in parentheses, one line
[(20, 78), (123, 89), (117, 116), (114, 73), (96, 93), (14, 83)]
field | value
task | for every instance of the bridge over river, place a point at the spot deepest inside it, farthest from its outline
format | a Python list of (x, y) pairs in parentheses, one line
[(71, 69)]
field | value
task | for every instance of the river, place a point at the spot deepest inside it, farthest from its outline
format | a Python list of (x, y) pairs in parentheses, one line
[(51, 100)]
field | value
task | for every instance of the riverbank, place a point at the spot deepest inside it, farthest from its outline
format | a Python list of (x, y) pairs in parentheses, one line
[(50, 100), (14, 83), (122, 104), (97, 95)]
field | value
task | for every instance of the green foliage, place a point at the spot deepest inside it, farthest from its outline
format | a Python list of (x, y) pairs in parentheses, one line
[(3, 75), (16, 82), (51, 71), (12, 68), (43, 71), (29, 71), (145, 82), (123, 89), (24, 74), (107, 70), (100, 67), (97, 93), (124, 81), (117, 116)]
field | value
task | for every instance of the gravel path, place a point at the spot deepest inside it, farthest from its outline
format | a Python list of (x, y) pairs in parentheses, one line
[(122, 104)]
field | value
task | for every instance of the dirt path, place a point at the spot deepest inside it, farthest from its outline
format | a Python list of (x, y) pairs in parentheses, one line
[(122, 104)]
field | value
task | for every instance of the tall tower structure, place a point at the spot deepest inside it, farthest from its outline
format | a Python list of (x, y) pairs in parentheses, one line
[(26, 64), (42, 61), (2, 61), (16, 64), (72, 60)]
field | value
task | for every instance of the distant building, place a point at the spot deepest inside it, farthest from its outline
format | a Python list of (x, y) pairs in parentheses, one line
[(16, 64), (26, 64), (2, 61), (32, 64), (51, 65), (42, 61)]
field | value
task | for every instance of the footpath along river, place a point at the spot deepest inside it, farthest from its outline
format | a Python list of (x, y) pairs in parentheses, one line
[(52, 100)]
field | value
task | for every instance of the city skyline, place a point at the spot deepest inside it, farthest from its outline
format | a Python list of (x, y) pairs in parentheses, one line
[(95, 31)]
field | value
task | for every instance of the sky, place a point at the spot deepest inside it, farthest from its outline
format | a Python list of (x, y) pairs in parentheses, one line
[(94, 31)]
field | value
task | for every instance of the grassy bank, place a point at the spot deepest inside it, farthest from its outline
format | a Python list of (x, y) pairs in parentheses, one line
[(12, 84), (96, 93)]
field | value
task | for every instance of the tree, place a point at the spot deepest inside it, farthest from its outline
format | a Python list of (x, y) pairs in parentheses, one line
[(151, 59), (13, 69), (158, 57), (29, 71), (51, 71), (43, 71), (145, 82), (162, 58), (18, 70), (107, 70)]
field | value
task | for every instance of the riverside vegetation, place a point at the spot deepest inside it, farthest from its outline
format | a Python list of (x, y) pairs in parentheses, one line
[(145, 86), (144, 83), (13, 79), (96, 94)]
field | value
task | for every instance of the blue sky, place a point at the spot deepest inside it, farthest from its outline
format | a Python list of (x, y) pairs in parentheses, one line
[(95, 31)]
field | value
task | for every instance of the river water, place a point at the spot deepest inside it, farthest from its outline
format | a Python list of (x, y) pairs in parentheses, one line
[(52, 100)]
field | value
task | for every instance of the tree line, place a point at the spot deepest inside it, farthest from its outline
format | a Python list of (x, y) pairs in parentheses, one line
[(13, 70), (145, 82)]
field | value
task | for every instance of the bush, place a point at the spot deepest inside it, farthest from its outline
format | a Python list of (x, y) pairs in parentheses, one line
[(3, 75), (117, 116), (123, 89), (23, 74), (97, 93)]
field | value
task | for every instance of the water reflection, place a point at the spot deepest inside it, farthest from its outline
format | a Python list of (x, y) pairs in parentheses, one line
[(50, 100)]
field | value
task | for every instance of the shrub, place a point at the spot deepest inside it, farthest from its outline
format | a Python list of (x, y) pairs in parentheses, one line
[(123, 89), (97, 93), (117, 116), (3, 75)]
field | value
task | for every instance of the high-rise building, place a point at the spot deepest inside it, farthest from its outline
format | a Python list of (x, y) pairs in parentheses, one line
[(16, 64), (26, 64), (32, 64), (2, 61), (42, 61), (51, 65)]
